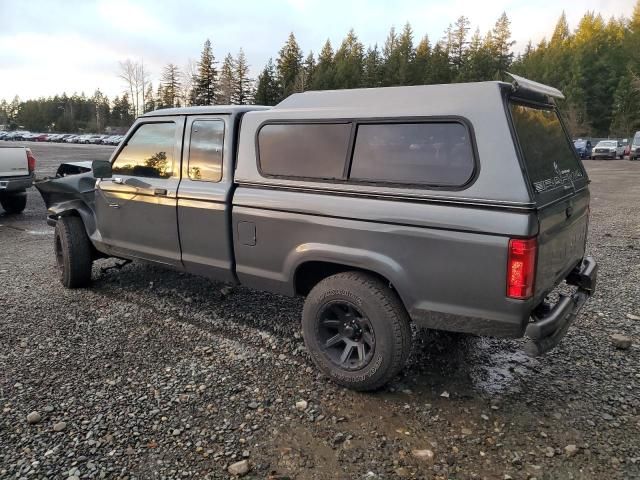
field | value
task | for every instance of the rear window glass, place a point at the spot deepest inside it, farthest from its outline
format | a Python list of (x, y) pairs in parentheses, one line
[(413, 153), (304, 150), (550, 160), (205, 150)]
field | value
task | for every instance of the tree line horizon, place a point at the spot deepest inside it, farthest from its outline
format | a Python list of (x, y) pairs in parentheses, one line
[(596, 65)]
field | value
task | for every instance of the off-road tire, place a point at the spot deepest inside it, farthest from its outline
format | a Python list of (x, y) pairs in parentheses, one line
[(73, 252), (14, 203), (385, 312)]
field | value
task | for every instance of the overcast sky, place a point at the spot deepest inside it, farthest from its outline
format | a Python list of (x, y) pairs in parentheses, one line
[(49, 46)]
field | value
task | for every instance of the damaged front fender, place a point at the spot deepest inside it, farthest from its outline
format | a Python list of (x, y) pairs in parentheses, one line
[(71, 195)]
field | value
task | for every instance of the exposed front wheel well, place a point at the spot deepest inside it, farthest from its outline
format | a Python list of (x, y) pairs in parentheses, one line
[(309, 274)]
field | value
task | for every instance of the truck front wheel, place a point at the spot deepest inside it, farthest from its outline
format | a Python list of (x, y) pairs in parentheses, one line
[(14, 202), (73, 252), (356, 330)]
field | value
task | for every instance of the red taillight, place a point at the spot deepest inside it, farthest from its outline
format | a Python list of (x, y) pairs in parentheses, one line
[(521, 267), (31, 161)]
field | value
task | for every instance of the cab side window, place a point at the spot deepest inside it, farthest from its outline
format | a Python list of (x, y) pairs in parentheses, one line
[(205, 150), (149, 152)]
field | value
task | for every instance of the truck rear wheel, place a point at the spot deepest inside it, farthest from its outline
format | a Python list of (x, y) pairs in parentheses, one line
[(14, 202), (73, 252), (356, 330)]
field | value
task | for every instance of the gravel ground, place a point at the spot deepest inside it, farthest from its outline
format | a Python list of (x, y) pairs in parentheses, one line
[(156, 374)]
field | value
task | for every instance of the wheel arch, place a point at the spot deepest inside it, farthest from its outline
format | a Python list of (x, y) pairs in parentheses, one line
[(312, 263), (75, 208)]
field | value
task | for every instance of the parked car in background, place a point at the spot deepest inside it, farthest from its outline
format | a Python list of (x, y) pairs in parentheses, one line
[(583, 148), (107, 139), (608, 149), (364, 201), (113, 140), (96, 139), (17, 135), (17, 167), (634, 148)]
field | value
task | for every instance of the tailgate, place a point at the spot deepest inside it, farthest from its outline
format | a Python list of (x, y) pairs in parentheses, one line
[(560, 190), (13, 162), (562, 240)]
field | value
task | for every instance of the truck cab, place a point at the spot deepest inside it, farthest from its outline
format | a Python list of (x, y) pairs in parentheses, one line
[(175, 191)]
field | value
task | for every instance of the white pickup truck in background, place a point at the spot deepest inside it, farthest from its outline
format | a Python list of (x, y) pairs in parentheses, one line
[(17, 166)]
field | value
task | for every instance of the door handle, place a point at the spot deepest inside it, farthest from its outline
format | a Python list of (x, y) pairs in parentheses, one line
[(160, 191), (114, 205)]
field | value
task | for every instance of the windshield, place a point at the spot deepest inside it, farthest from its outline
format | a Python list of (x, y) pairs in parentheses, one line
[(607, 144), (636, 139), (580, 143), (551, 162)]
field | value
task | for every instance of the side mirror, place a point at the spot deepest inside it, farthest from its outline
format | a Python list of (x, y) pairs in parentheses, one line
[(101, 169)]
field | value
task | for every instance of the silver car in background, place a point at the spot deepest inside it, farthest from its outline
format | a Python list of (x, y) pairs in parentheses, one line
[(611, 149)]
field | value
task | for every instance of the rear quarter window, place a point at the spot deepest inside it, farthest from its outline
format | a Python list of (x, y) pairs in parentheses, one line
[(436, 154)]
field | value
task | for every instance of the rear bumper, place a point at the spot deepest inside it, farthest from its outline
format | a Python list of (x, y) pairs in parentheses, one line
[(13, 184), (551, 322)]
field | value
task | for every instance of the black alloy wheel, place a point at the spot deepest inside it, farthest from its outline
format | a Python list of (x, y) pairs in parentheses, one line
[(345, 335)]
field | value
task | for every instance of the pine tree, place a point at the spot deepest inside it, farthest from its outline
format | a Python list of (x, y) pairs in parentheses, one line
[(242, 89), (306, 74), (420, 64), (324, 77), (349, 62), (440, 71), (397, 57), (390, 59), (171, 86), (159, 98), (458, 43), (227, 81), (123, 111), (267, 90), (205, 84), (102, 110), (501, 44), (289, 64), (479, 63), (405, 54), (634, 23), (149, 99), (372, 68), (561, 32), (626, 108)]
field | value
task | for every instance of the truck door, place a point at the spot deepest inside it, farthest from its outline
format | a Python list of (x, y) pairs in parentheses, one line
[(204, 215), (136, 208)]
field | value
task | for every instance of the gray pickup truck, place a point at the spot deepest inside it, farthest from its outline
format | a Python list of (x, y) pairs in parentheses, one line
[(455, 207), (17, 166)]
